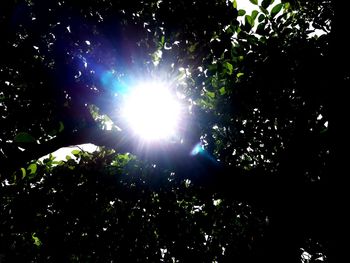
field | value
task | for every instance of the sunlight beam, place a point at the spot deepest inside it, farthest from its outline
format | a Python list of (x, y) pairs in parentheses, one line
[(152, 111)]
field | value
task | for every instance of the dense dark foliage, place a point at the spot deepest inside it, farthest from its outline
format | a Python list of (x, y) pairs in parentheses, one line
[(258, 92)]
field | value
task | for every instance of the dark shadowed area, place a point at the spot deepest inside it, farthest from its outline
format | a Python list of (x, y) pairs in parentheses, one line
[(225, 154)]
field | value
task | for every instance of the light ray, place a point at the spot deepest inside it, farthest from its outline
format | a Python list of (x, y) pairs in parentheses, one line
[(152, 112)]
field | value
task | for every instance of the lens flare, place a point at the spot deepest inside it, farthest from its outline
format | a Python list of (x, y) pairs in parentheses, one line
[(152, 111)]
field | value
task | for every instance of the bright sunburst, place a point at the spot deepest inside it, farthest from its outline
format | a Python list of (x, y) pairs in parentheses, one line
[(152, 111)]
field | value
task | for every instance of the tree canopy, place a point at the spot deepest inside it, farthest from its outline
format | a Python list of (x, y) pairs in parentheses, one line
[(256, 88)]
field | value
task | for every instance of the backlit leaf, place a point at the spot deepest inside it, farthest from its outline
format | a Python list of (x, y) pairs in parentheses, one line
[(275, 10), (75, 152), (241, 12), (36, 240), (234, 3), (249, 20), (254, 14), (229, 67), (211, 94), (24, 173), (32, 167), (222, 91), (254, 2)]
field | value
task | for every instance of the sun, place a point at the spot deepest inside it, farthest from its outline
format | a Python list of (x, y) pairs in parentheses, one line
[(152, 111)]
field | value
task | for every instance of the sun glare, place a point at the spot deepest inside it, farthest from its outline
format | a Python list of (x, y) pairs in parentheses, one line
[(152, 112)]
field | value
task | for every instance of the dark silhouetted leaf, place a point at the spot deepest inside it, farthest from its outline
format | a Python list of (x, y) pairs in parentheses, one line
[(261, 18), (61, 127), (24, 137), (266, 3), (264, 10)]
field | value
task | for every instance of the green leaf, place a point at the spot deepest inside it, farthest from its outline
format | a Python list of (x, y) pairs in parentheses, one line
[(261, 18), (234, 3), (121, 159), (287, 5), (266, 3), (51, 157), (24, 137), (211, 94), (57, 163), (261, 29), (94, 111), (240, 74), (241, 12), (249, 20), (229, 67), (254, 2), (61, 128), (276, 9), (24, 173), (68, 157), (36, 240), (254, 14), (264, 10), (222, 91), (76, 152), (32, 167)]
